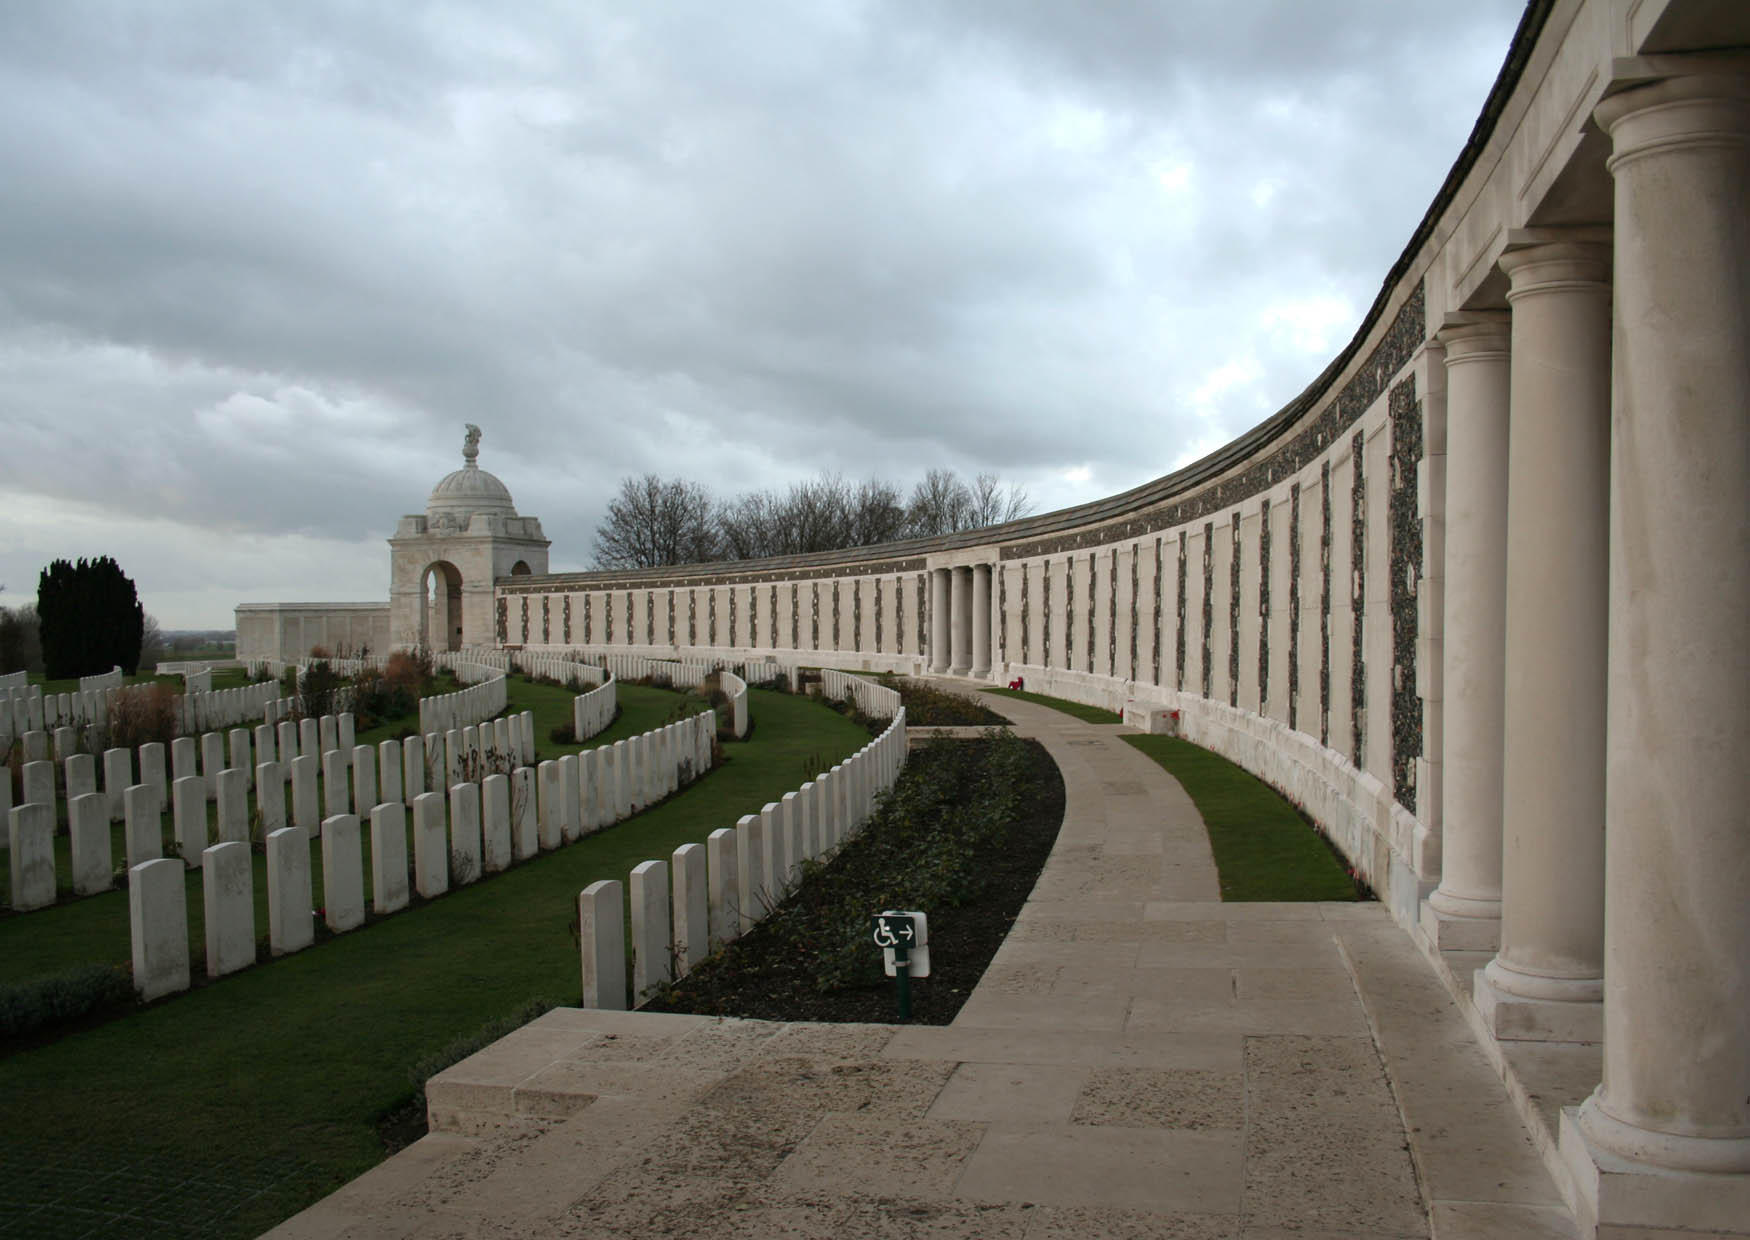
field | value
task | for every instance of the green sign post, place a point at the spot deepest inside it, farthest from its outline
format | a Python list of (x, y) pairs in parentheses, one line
[(896, 931)]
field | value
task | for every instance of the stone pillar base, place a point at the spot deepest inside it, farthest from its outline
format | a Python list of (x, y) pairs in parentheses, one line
[(1514, 1017), (1616, 1199), (959, 671), (1460, 934)]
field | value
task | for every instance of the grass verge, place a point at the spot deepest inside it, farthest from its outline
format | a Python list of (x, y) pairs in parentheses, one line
[(1090, 714), (1264, 849), (225, 1110)]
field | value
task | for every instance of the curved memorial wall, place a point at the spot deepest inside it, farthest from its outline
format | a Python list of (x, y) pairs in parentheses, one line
[(1474, 598)]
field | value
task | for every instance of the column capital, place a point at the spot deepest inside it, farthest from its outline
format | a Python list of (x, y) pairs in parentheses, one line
[(1542, 261), (1476, 335), (1660, 104)]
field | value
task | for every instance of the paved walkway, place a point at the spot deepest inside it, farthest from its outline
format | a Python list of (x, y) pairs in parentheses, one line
[(1140, 1060)]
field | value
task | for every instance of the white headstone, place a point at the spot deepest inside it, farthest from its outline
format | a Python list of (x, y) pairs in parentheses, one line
[(270, 796), (624, 792), (233, 813), (38, 786), (188, 817), (495, 823), (569, 785), (347, 738), (750, 870), (36, 745), (389, 771), (306, 801), (32, 848), (328, 733), (431, 846), (66, 743), (795, 838), (364, 781), (464, 833), (525, 838), (158, 918), (145, 830), (81, 778), (228, 897), (335, 792), (692, 907), (152, 772), (238, 756), (90, 845), (455, 756), (286, 733), (650, 930), (343, 875), (212, 761), (389, 857), (552, 810), (412, 768), (291, 922), (723, 888), (601, 921), (773, 820), (310, 739), (265, 749)]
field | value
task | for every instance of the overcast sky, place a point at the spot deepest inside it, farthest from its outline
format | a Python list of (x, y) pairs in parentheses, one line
[(260, 262)]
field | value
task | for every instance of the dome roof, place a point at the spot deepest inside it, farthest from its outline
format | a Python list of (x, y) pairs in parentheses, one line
[(469, 490)]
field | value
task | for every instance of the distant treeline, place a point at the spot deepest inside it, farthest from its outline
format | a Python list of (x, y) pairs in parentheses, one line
[(656, 521)]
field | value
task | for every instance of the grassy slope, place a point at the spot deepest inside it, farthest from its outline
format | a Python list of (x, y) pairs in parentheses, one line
[(1264, 850), (1092, 714), (270, 1081)]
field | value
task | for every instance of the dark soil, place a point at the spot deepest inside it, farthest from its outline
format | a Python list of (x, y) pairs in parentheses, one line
[(775, 972)]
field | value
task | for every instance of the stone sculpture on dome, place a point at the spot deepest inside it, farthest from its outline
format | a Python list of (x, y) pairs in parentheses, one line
[(471, 443)]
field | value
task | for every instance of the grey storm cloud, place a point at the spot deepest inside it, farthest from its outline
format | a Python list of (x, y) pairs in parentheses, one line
[(259, 262)]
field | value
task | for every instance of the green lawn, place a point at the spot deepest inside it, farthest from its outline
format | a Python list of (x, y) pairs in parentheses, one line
[(1264, 850), (223, 1110), (1092, 714)]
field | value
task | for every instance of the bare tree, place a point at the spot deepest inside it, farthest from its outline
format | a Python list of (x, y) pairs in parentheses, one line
[(877, 513), (994, 504), (654, 522), (940, 504)]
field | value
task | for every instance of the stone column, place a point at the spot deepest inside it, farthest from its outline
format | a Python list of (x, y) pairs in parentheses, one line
[(960, 658), (1464, 913), (1547, 982), (1676, 1090), (939, 626), (981, 621)]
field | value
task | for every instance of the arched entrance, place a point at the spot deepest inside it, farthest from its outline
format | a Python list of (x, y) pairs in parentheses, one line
[(440, 610), (520, 569)]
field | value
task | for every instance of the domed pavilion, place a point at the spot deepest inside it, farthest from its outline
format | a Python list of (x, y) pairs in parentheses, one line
[(443, 563)]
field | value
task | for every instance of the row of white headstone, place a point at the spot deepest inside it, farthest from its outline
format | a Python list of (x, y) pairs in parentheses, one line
[(707, 895), (875, 700), (465, 706), (490, 824), (226, 775), (27, 710)]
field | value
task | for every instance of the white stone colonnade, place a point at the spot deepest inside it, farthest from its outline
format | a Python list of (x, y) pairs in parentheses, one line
[(960, 620)]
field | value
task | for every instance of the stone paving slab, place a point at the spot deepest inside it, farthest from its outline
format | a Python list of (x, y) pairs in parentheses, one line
[(1140, 1060)]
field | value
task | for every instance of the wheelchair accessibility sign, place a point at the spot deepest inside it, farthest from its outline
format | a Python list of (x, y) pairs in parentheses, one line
[(903, 936)]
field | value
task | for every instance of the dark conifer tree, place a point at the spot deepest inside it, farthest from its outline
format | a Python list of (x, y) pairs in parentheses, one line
[(91, 618)]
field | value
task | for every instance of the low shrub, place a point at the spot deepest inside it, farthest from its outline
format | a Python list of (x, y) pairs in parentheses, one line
[(141, 715), (46, 1002), (926, 706), (563, 734)]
